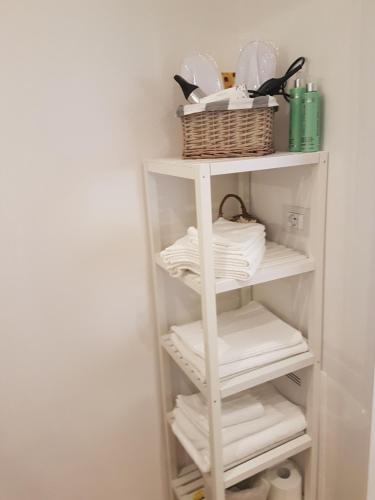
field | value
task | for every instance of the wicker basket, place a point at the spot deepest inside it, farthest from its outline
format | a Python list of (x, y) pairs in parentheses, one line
[(228, 133)]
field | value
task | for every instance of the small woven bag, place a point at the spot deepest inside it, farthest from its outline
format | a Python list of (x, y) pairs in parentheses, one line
[(243, 217)]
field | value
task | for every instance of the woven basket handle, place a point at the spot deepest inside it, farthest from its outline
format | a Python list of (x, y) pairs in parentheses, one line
[(244, 214)]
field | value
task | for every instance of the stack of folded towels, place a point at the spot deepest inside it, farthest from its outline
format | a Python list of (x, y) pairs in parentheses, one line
[(248, 338), (238, 250), (252, 423)]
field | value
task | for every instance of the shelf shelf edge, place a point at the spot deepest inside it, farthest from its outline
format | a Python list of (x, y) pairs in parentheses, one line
[(263, 275), (267, 373), (184, 366), (245, 380), (189, 169), (263, 461), (266, 460)]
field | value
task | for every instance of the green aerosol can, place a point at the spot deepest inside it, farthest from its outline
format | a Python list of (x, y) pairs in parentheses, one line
[(311, 118), (296, 115)]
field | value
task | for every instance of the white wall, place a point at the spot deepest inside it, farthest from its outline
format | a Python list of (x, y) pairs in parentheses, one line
[(366, 205), (86, 92), (371, 467)]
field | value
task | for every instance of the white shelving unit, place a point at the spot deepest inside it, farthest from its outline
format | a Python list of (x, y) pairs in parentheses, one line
[(297, 376)]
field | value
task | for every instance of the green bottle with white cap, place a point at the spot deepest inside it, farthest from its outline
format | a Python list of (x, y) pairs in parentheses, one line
[(296, 115), (311, 118)]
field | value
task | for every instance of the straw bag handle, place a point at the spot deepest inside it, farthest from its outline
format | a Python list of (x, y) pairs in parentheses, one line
[(245, 214)]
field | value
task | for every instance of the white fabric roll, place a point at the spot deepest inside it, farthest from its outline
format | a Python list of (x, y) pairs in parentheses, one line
[(285, 482)]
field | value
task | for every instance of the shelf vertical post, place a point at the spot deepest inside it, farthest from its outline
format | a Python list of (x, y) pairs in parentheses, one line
[(315, 324), (209, 315), (150, 183)]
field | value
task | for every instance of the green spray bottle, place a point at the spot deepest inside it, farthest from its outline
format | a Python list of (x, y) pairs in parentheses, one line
[(311, 118), (296, 115)]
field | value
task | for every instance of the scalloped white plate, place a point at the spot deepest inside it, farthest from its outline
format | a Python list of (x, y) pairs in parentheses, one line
[(202, 70), (256, 64)]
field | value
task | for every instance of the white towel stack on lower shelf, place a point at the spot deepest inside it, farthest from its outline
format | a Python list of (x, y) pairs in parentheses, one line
[(238, 250), (252, 423), (248, 338)]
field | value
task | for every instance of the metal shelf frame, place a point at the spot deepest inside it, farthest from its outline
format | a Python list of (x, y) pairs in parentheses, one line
[(200, 172)]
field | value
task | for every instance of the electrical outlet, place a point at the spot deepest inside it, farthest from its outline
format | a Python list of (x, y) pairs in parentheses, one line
[(296, 219)]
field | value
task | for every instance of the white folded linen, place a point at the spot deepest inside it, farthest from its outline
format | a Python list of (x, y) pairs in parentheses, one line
[(239, 273), (183, 250), (274, 256), (230, 235), (248, 331), (234, 410), (238, 250), (292, 423), (237, 367), (199, 436), (192, 433), (183, 256), (199, 458)]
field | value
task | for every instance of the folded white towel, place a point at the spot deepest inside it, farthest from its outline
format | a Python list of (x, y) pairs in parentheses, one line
[(229, 434), (183, 250), (234, 410), (230, 235), (199, 435), (238, 250), (292, 423), (229, 272), (249, 331), (183, 256), (192, 433), (237, 367)]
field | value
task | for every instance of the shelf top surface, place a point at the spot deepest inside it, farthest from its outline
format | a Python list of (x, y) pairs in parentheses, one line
[(190, 169), (189, 478), (261, 461)]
